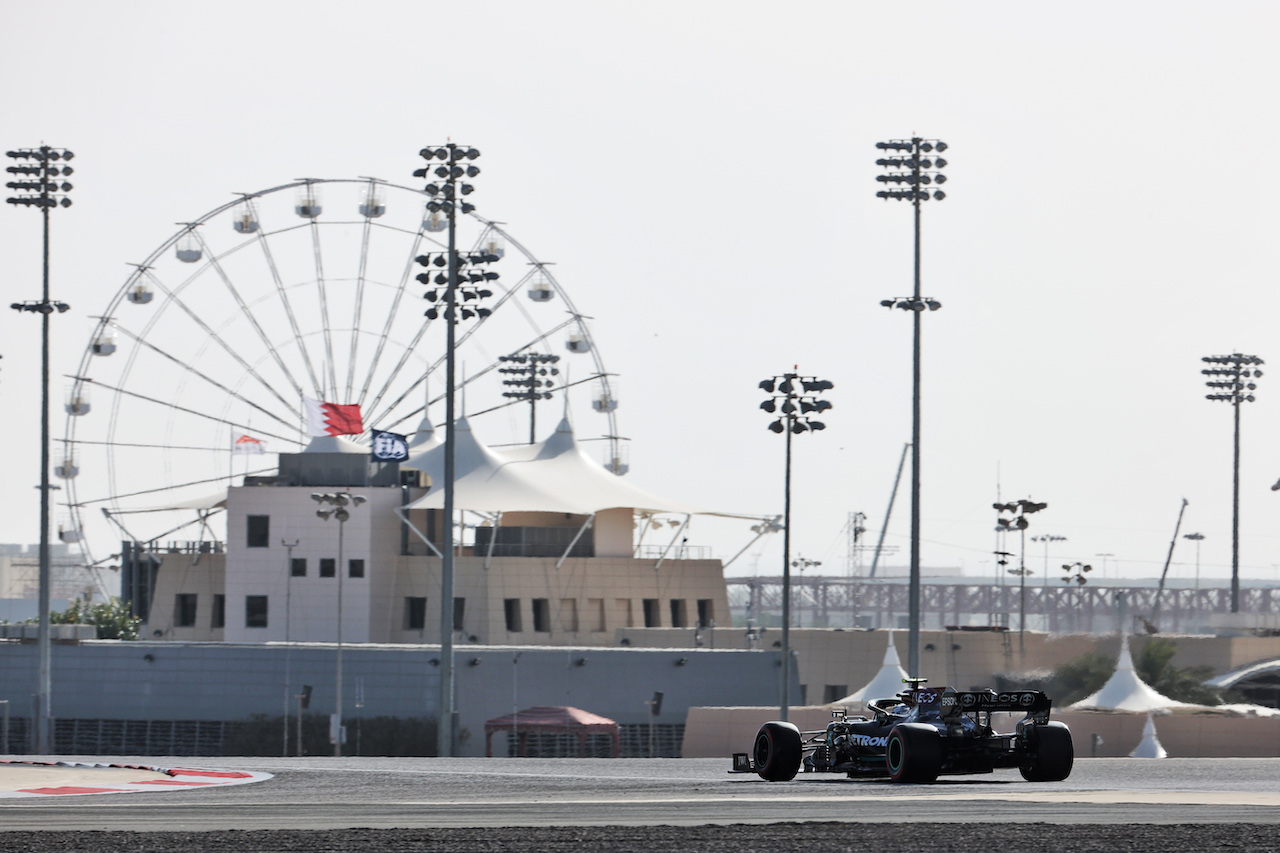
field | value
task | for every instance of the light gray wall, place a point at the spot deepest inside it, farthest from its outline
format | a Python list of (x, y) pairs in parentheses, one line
[(104, 679)]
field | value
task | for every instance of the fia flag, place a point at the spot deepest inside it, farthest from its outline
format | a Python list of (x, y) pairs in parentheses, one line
[(389, 446), (332, 418), (248, 444)]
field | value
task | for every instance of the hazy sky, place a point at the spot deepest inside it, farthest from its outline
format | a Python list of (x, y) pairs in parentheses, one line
[(702, 174)]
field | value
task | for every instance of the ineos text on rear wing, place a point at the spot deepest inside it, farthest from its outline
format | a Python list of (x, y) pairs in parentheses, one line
[(1031, 702)]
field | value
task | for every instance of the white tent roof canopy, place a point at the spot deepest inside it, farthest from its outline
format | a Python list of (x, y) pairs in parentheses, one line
[(555, 475), (1124, 691), (888, 682)]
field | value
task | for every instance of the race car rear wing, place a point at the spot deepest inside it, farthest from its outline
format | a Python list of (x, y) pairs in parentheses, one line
[(1031, 702)]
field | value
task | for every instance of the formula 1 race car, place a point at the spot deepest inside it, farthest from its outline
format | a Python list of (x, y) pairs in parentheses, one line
[(920, 734)]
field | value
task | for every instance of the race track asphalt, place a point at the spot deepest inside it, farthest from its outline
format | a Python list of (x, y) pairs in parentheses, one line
[(409, 805)]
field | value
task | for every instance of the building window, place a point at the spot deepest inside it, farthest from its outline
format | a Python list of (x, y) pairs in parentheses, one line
[(415, 614), (569, 615), (219, 611), (459, 612), (707, 615), (542, 615), (679, 613), (595, 614), (623, 609), (652, 617), (355, 568), (258, 531), (511, 608), (298, 567), (184, 610), (255, 611), (328, 567)]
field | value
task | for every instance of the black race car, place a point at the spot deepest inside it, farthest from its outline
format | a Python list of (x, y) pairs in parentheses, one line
[(920, 734)]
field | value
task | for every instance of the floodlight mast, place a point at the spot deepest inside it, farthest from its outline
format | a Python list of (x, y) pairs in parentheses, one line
[(40, 189), (917, 163), (1232, 382), (445, 196), (791, 396)]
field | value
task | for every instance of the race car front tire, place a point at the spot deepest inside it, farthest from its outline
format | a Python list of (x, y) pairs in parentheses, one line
[(913, 753), (1053, 754), (778, 752)]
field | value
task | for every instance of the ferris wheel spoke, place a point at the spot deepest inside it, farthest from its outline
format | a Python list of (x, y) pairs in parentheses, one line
[(298, 337), (169, 487), (245, 313), (359, 307), (294, 418), (175, 298), (174, 407), (439, 361), (324, 309), (392, 314)]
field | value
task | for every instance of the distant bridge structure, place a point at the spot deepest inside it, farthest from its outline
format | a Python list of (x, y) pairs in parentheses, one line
[(845, 602)]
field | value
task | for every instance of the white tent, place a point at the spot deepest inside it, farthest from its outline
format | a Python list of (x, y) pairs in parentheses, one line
[(555, 475), (887, 682), (1149, 746), (1124, 691)]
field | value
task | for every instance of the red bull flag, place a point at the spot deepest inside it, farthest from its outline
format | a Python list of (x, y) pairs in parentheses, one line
[(247, 444), (332, 418)]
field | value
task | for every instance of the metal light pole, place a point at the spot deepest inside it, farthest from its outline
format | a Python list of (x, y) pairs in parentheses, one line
[(288, 647), (446, 197), (339, 501), (794, 405), (1046, 538), (1232, 380), (801, 563), (1197, 538), (914, 165), (39, 188), (528, 366), (1013, 516), (1075, 573)]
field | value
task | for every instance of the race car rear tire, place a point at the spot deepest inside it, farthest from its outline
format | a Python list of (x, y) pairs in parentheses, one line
[(913, 753), (1054, 754), (778, 752)]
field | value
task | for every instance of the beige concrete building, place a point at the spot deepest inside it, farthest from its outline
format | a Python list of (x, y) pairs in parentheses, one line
[(547, 555)]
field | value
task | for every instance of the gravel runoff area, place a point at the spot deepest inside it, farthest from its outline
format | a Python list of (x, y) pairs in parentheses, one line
[(739, 838)]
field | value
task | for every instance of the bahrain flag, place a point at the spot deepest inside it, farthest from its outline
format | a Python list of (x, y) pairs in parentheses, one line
[(332, 418)]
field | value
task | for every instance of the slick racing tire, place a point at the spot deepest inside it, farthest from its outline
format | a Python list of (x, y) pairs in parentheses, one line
[(778, 752), (913, 753), (1053, 754)]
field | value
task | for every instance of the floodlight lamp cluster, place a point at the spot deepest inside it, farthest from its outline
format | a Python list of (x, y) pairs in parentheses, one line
[(792, 396), (40, 189), (1233, 380), (1079, 569), (530, 366), (338, 501), (1013, 514), (444, 194), (914, 170), (450, 282), (41, 307), (911, 303), (470, 284)]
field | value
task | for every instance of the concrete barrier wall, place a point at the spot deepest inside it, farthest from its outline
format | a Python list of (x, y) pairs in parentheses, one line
[(719, 732)]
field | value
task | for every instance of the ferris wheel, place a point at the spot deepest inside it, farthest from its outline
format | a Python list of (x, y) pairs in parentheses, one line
[(303, 290)]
